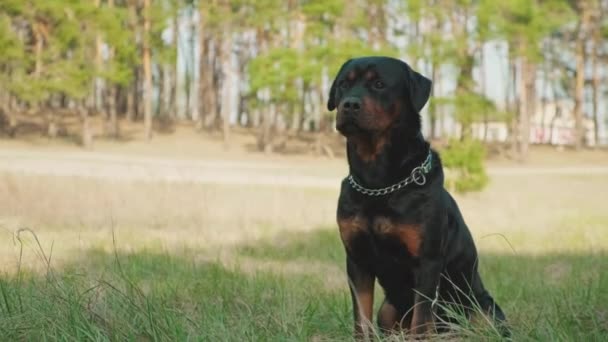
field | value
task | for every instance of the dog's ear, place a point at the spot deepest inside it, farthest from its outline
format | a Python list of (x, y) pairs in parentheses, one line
[(331, 100), (418, 88)]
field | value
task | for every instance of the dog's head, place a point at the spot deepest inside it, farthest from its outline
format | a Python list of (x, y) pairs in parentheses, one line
[(375, 94)]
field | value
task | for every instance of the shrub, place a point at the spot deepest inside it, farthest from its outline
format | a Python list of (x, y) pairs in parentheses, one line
[(464, 163)]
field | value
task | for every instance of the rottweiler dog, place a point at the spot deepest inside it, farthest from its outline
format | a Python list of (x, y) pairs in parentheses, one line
[(398, 223)]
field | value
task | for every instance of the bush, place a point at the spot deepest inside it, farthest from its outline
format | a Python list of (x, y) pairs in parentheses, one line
[(464, 165)]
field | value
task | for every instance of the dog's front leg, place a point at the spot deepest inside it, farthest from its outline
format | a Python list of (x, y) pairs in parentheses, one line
[(361, 283), (427, 276)]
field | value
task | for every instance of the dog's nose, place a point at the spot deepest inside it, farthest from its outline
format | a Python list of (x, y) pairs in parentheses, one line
[(351, 105)]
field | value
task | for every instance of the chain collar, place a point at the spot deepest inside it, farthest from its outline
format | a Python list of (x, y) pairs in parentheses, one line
[(416, 176)]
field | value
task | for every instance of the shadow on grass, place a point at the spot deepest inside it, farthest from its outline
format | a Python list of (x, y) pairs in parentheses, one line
[(149, 295), (546, 297)]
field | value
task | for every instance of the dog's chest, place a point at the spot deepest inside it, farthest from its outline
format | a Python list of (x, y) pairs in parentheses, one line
[(380, 237)]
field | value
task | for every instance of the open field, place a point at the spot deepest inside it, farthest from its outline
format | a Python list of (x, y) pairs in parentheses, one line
[(148, 258)]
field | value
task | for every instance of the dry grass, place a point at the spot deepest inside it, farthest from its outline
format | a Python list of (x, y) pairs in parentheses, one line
[(516, 214), (539, 214), (79, 214)]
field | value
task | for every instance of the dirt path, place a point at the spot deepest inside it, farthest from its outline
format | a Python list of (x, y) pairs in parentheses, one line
[(128, 168), (324, 174)]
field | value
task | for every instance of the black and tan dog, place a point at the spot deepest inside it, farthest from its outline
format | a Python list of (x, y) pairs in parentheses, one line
[(397, 222)]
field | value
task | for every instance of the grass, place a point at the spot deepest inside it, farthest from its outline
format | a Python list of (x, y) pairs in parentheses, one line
[(549, 297), (150, 295), (159, 296), (153, 261)]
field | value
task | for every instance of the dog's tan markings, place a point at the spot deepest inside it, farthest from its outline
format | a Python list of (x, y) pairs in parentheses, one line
[(388, 318), (422, 320), (379, 118), (411, 236), (351, 75), (369, 147), (351, 227), (370, 75), (365, 303)]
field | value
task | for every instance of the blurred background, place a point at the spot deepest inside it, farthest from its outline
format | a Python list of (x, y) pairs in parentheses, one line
[(515, 72), (169, 170)]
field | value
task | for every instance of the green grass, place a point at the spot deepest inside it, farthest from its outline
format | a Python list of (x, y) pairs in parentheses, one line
[(162, 297), (150, 295), (159, 262)]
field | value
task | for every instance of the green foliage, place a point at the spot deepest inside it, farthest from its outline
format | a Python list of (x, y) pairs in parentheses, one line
[(473, 107), (276, 71), (464, 161), (113, 27), (12, 54), (279, 69), (69, 30), (299, 43), (525, 23)]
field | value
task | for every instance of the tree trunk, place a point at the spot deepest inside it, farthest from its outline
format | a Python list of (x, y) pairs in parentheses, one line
[(527, 95), (208, 90), (132, 90), (160, 105), (265, 138), (5, 111), (193, 109), (147, 68), (113, 129), (513, 104), (544, 102), (164, 97), (12, 118), (243, 117), (579, 88), (174, 105), (227, 84), (202, 72), (595, 82), (522, 112), (52, 128), (297, 28), (98, 60), (39, 31), (482, 86), (87, 135)]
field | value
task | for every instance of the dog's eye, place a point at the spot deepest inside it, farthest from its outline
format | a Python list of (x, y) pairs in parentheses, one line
[(379, 84)]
